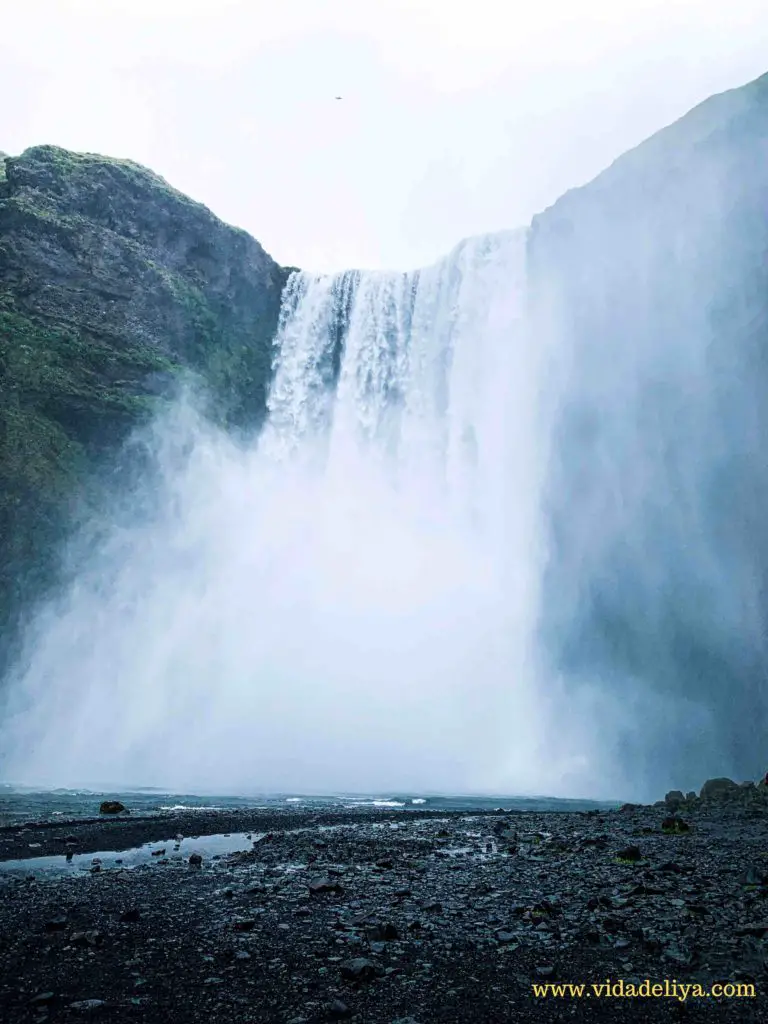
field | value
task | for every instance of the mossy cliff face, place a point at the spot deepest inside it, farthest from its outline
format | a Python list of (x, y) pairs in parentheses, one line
[(112, 286), (653, 279)]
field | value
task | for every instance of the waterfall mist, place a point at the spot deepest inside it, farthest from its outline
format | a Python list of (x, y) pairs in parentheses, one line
[(500, 532), (654, 282), (348, 603)]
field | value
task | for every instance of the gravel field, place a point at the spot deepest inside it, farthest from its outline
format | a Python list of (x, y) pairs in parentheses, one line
[(385, 916)]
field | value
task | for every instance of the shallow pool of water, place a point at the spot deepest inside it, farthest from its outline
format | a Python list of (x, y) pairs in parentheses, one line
[(149, 853)]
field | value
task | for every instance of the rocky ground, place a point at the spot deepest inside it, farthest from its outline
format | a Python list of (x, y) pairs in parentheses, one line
[(393, 917)]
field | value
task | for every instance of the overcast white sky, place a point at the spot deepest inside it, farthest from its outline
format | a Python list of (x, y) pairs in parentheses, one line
[(456, 118)]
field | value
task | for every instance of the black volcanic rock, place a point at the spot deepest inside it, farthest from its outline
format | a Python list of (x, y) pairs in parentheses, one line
[(504, 925), (112, 807)]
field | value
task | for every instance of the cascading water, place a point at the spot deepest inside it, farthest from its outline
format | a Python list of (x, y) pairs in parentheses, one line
[(351, 602)]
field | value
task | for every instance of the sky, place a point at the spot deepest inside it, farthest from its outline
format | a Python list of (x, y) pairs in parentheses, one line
[(454, 118)]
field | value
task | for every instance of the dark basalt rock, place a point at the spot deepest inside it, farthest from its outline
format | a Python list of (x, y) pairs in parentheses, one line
[(320, 885), (359, 969), (630, 853), (675, 825), (382, 933), (483, 934), (719, 789), (112, 807), (244, 924), (42, 999)]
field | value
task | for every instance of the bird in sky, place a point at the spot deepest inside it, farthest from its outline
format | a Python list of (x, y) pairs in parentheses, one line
[(337, 97)]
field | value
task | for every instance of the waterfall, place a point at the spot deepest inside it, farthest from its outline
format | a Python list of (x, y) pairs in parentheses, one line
[(498, 533), (350, 602)]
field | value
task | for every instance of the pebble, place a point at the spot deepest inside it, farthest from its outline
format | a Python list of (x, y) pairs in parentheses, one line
[(41, 998), (359, 969), (563, 888)]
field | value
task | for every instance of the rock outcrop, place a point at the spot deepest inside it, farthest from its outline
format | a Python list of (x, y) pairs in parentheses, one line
[(112, 286), (719, 789), (715, 795)]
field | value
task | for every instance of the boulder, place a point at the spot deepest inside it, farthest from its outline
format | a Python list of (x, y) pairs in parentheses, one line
[(719, 789), (324, 884), (675, 825), (112, 807), (359, 969), (630, 853)]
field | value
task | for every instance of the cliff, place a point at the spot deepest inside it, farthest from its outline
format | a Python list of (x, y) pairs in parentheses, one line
[(649, 287), (654, 281), (112, 286)]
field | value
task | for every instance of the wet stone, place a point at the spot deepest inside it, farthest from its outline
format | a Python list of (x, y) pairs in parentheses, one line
[(675, 825), (753, 876), (41, 999), (359, 969), (382, 933), (320, 885), (418, 933), (630, 853), (718, 789), (112, 807), (757, 928)]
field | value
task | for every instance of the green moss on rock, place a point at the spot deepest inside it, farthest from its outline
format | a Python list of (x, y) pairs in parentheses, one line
[(112, 284)]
